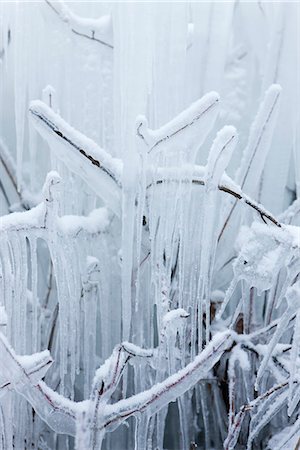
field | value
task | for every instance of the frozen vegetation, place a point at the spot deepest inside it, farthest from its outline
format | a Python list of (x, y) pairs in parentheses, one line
[(150, 225)]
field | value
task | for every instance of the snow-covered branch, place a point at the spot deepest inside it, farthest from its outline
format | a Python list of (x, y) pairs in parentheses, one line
[(98, 30), (259, 143), (23, 375), (226, 185), (81, 155), (187, 130), (177, 384)]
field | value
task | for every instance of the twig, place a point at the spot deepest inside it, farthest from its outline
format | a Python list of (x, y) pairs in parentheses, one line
[(175, 385), (187, 119), (258, 141), (4, 194), (51, 406), (89, 26), (81, 154), (234, 430), (264, 214)]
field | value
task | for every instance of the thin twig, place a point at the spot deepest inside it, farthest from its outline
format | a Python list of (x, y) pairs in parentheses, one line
[(67, 20), (264, 214)]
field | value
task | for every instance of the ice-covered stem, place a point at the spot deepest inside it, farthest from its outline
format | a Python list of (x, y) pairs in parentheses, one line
[(52, 179), (172, 387), (218, 159), (44, 217), (173, 322), (263, 333), (98, 30), (8, 164), (260, 136), (108, 375), (61, 414), (17, 369), (293, 302), (10, 169), (186, 131), (24, 373), (220, 155), (259, 142), (37, 218), (105, 382), (81, 155), (235, 428), (228, 189)]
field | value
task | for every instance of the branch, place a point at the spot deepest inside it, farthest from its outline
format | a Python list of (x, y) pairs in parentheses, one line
[(174, 386), (20, 369), (227, 186), (258, 143), (61, 414), (25, 199), (186, 131), (37, 218), (97, 30), (235, 429), (8, 166), (80, 154), (263, 333)]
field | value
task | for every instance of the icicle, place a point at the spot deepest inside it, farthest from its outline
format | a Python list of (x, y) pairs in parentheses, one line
[(265, 412), (218, 160), (33, 253), (293, 302), (259, 142), (90, 282), (20, 84), (141, 431)]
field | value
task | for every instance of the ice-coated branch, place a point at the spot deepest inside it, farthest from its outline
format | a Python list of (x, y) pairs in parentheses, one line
[(97, 30), (220, 155), (37, 219), (81, 155), (226, 185), (260, 137), (8, 165), (174, 386), (17, 369), (187, 130), (259, 142), (23, 374), (293, 304), (269, 396)]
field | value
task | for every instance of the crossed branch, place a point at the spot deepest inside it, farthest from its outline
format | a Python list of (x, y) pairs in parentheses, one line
[(61, 414)]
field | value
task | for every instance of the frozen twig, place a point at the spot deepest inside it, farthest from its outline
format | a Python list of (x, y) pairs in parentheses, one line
[(258, 144), (186, 131), (19, 369), (61, 414), (37, 218), (81, 155), (235, 428), (97, 30), (10, 170), (226, 185), (175, 385)]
